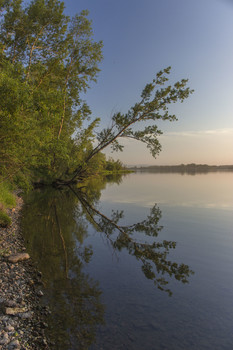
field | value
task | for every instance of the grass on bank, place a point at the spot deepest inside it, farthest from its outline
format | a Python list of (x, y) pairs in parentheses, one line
[(7, 201)]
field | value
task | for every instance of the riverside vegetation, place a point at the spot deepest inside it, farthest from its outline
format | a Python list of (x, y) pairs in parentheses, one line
[(47, 60), (47, 135)]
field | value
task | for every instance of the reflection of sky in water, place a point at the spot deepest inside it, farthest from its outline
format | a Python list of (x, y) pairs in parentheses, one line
[(137, 314), (212, 190), (196, 213)]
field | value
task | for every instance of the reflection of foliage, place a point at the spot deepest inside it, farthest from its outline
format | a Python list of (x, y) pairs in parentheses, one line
[(55, 225), (55, 230), (94, 185), (153, 255), (76, 312)]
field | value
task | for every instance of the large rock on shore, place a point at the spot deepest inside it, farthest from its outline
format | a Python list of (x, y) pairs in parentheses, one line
[(15, 311), (18, 257)]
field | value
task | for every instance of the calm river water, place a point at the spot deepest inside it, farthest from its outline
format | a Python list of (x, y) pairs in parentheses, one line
[(139, 262)]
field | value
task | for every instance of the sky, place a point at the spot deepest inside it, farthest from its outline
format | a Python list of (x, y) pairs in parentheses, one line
[(141, 37)]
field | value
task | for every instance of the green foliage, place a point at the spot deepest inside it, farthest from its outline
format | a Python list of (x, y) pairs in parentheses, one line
[(151, 108), (5, 220), (139, 123), (47, 59), (114, 166), (7, 199)]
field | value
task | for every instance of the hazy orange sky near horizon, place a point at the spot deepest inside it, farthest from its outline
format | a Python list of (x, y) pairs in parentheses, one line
[(141, 37), (202, 147)]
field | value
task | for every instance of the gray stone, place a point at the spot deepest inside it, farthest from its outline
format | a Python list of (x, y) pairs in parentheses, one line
[(10, 303), (9, 328), (40, 293), (14, 344), (26, 315), (4, 338)]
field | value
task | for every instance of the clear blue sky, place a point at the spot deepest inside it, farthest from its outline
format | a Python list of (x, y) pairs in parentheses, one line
[(141, 37)]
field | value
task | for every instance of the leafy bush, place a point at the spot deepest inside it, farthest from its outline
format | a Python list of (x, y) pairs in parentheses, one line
[(6, 196), (5, 220)]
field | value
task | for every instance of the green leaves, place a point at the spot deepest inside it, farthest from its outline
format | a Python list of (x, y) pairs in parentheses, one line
[(153, 106), (47, 60), (147, 136), (139, 123)]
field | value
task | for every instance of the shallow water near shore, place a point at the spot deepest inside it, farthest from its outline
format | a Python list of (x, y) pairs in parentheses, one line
[(142, 261)]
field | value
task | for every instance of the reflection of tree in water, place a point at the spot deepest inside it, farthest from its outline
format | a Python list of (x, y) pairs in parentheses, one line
[(153, 255), (55, 226), (55, 229)]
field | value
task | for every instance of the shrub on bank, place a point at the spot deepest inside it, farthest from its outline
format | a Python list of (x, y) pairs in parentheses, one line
[(5, 220), (7, 200), (6, 196)]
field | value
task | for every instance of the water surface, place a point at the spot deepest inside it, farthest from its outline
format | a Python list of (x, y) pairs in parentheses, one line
[(142, 263)]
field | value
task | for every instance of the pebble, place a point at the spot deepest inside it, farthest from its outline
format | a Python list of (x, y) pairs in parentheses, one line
[(9, 328), (4, 339), (25, 315), (11, 303), (22, 317), (14, 344)]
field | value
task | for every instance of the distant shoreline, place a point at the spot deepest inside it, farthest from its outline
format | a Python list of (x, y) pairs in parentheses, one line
[(183, 168)]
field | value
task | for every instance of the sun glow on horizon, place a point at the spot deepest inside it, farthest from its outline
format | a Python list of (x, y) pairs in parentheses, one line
[(212, 147)]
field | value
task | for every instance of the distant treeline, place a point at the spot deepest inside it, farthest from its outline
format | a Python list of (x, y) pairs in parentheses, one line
[(184, 168)]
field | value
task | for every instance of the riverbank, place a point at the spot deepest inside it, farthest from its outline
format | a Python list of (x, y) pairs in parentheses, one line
[(22, 316)]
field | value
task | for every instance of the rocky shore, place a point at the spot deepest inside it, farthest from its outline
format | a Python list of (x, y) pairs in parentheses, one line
[(22, 316)]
